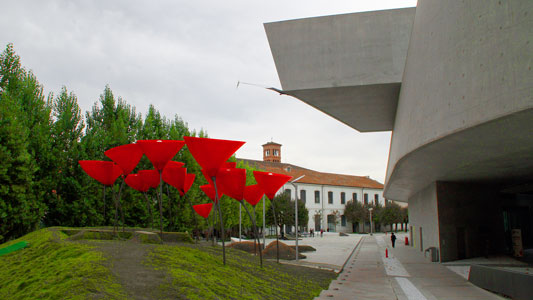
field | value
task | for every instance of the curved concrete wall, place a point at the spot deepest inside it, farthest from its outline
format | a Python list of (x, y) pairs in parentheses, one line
[(468, 63)]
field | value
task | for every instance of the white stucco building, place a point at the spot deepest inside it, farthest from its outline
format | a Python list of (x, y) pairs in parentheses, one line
[(325, 194)]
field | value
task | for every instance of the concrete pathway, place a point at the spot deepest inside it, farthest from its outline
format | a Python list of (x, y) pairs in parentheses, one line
[(332, 250), (404, 275)]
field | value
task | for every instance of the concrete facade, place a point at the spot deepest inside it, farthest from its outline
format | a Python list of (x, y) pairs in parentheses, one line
[(458, 98), (466, 96)]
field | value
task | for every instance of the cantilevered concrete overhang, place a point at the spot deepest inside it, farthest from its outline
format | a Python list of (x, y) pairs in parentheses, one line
[(459, 103), (347, 66), (499, 153)]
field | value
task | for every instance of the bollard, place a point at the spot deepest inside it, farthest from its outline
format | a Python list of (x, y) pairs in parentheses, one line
[(406, 241), (386, 253)]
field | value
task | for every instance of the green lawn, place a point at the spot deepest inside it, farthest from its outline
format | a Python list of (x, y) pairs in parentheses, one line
[(53, 267)]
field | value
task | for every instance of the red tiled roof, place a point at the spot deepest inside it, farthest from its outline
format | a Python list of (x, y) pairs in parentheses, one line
[(314, 177)]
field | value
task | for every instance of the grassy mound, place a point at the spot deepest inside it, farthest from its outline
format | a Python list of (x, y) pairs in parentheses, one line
[(98, 266), (198, 273), (53, 268)]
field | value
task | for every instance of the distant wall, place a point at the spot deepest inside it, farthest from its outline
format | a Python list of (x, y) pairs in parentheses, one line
[(423, 213)]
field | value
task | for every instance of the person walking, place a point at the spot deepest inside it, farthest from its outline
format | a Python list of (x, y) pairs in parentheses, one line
[(393, 239)]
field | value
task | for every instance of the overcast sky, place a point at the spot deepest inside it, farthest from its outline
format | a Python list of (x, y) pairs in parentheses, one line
[(186, 57)]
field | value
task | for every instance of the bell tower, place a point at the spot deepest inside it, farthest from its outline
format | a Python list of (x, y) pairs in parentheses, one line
[(272, 152)]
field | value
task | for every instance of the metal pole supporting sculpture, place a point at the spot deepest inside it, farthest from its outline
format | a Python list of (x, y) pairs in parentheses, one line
[(160, 152), (252, 195), (138, 183), (126, 157), (105, 172), (211, 155), (209, 190), (151, 178), (233, 183), (175, 175), (270, 183), (203, 209)]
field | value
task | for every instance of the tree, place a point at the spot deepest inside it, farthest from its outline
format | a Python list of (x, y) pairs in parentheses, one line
[(390, 214), (24, 162), (67, 129), (20, 212), (355, 212), (284, 207), (404, 215), (376, 215)]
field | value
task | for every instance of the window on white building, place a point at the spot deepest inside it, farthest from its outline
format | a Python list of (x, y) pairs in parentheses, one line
[(343, 220), (302, 195), (354, 196), (365, 197), (317, 196), (288, 192), (330, 197), (343, 198)]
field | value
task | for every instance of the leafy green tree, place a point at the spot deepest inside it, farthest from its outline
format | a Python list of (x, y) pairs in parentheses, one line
[(67, 128), (355, 212), (25, 164), (284, 207), (20, 212), (390, 214), (404, 215)]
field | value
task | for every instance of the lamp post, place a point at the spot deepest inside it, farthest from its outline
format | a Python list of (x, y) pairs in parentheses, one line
[(264, 226), (296, 210), (371, 223)]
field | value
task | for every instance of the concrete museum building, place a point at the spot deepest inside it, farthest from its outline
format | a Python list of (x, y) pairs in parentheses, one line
[(325, 194), (453, 81)]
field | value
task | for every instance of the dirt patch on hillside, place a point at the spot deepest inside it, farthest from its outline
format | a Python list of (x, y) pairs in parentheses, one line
[(285, 252), (138, 280)]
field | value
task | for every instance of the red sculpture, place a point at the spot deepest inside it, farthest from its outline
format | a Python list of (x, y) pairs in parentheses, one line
[(151, 177), (211, 153), (174, 174), (106, 172), (137, 182), (160, 152), (189, 180), (253, 194), (126, 156), (270, 183), (232, 182), (203, 209), (209, 190)]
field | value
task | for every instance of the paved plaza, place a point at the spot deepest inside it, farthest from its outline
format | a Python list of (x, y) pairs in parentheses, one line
[(405, 274)]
